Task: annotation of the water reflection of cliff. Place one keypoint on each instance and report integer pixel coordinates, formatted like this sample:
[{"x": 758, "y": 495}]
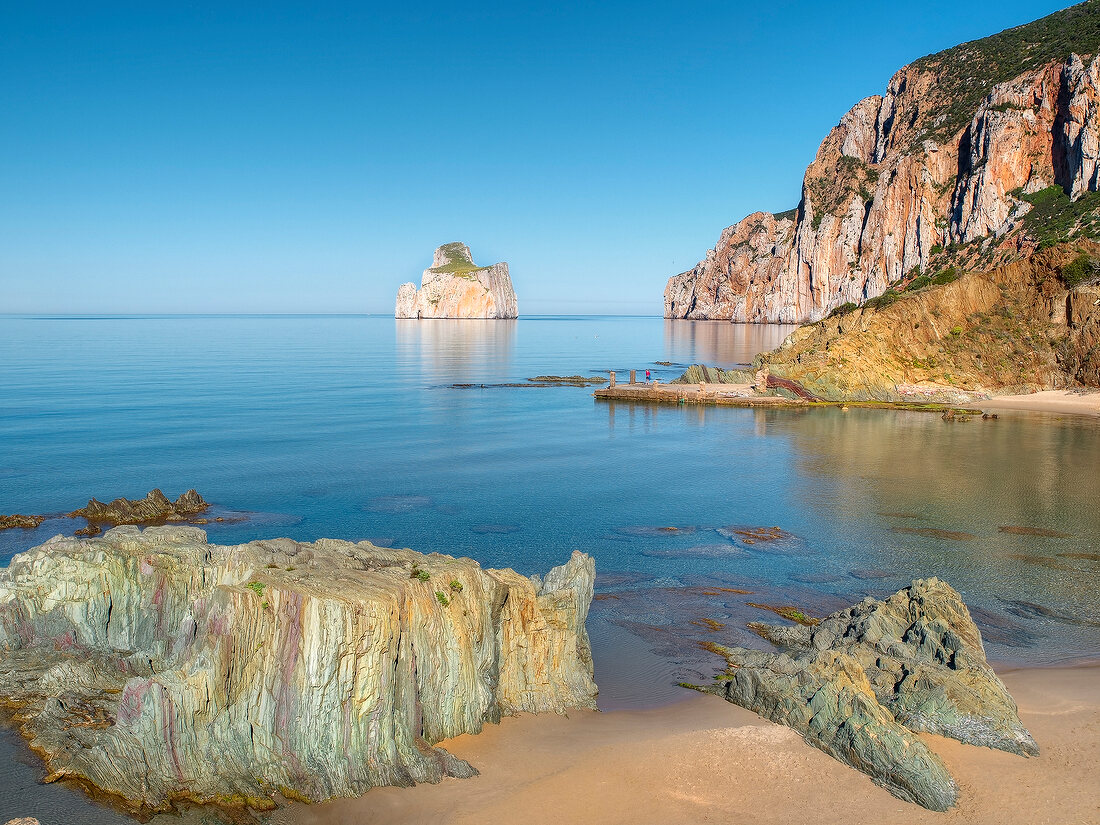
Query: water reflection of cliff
[
  {"x": 456, "y": 351},
  {"x": 720, "y": 343},
  {"x": 915, "y": 495}
]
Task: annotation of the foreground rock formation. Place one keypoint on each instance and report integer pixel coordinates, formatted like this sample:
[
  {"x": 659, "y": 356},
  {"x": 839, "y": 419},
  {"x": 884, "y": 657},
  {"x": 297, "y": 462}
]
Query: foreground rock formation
[
  {"x": 455, "y": 287},
  {"x": 859, "y": 683},
  {"x": 158, "y": 667},
  {"x": 974, "y": 156},
  {"x": 154, "y": 508},
  {"x": 1030, "y": 325}
]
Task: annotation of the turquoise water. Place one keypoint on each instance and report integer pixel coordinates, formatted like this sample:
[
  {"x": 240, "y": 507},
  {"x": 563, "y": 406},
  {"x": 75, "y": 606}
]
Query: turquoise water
[{"x": 349, "y": 427}]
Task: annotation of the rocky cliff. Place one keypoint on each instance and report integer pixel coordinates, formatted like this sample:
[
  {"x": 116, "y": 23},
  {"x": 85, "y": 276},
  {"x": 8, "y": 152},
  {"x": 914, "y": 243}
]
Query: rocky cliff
[
  {"x": 1029, "y": 325},
  {"x": 157, "y": 667},
  {"x": 455, "y": 287},
  {"x": 974, "y": 156}
]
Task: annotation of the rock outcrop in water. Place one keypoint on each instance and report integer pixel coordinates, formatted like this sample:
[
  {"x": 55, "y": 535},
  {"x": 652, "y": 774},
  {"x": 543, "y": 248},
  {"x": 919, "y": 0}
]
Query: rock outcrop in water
[
  {"x": 158, "y": 667},
  {"x": 154, "y": 508},
  {"x": 21, "y": 521},
  {"x": 860, "y": 682},
  {"x": 455, "y": 287},
  {"x": 973, "y": 157}
]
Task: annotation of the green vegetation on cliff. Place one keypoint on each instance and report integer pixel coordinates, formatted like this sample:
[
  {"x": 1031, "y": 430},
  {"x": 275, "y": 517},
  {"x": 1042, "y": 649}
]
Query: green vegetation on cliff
[
  {"x": 966, "y": 73},
  {"x": 1055, "y": 219},
  {"x": 459, "y": 262}
]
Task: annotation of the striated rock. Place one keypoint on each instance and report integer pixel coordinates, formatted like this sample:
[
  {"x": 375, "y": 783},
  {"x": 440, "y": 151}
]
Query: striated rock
[
  {"x": 159, "y": 667},
  {"x": 155, "y": 507},
  {"x": 23, "y": 820},
  {"x": 701, "y": 374},
  {"x": 455, "y": 287},
  {"x": 18, "y": 520},
  {"x": 858, "y": 683},
  {"x": 1017, "y": 328},
  {"x": 944, "y": 160}
]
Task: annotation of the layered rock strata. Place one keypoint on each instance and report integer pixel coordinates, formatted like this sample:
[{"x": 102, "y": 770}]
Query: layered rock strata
[
  {"x": 455, "y": 287},
  {"x": 1021, "y": 327},
  {"x": 158, "y": 667},
  {"x": 155, "y": 507},
  {"x": 947, "y": 158},
  {"x": 860, "y": 682}
]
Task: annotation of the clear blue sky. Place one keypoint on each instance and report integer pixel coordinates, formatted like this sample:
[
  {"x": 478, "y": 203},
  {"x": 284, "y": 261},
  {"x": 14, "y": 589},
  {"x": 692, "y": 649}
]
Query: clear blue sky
[{"x": 228, "y": 157}]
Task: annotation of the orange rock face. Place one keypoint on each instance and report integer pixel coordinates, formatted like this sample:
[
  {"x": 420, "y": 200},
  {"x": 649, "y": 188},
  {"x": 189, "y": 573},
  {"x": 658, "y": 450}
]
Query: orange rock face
[{"x": 887, "y": 190}]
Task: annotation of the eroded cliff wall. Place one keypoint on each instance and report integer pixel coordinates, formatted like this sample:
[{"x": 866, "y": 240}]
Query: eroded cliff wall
[{"x": 936, "y": 171}]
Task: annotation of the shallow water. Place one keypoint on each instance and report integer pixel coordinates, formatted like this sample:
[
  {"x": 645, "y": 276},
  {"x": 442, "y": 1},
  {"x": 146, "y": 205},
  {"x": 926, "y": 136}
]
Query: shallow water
[{"x": 349, "y": 427}]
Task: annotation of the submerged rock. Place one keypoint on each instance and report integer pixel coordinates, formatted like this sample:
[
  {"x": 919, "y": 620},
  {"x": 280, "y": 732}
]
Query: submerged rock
[
  {"x": 455, "y": 287},
  {"x": 158, "y": 667},
  {"x": 21, "y": 521},
  {"x": 154, "y": 508},
  {"x": 859, "y": 683}
]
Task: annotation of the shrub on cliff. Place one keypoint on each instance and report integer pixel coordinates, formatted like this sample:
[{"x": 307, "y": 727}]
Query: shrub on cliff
[{"x": 1081, "y": 270}]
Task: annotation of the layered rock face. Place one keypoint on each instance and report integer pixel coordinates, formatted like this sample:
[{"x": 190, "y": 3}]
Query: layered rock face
[
  {"x": 1018, "y": 328},
  {"x": 158, "y": 667},
  {"x": 859, "y": 683},
  {"x": 455, "y": 287},
  {"x": 943, "y": 159}
]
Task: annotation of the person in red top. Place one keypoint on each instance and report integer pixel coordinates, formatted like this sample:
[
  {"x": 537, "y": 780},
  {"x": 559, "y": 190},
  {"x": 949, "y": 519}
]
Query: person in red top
[{"x": 647, "y": 376}]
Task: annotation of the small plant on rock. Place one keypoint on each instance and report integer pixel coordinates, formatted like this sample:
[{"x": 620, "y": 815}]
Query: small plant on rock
[
  {"x": 456, "y": 586},
  {"x": 442, "y": 598}
]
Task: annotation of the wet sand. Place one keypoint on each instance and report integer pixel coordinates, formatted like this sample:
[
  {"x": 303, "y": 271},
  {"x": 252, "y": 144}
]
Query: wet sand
[
  {"x": 1053, "y": 401},
  {"x": 705, "y": 760}
]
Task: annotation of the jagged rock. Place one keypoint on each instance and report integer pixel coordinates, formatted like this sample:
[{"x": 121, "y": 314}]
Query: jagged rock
[
  {"x": 155, "y": 507},
  {"x": 23, "y": 820},
  {"x": 455, "y": 287},
  {"x": 858, "y": 684},
  {"x": 158, "y": 667},
  {"x": 18, "y": 520},
  {"x": 943, "y": 158}
]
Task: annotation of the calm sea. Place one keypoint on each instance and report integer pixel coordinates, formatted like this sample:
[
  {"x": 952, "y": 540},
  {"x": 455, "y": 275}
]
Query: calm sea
[{"x": 349, "y": 427}]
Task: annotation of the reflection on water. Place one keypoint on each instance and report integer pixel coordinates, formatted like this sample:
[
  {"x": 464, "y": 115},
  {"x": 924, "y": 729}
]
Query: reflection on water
[
  {"x": 456, "y": 351},
  {"x": 720, "y": 343}
]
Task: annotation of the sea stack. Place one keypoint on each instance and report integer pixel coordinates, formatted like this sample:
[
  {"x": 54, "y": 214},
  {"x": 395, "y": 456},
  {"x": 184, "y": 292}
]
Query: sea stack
[{"x": 455, "y": 287}]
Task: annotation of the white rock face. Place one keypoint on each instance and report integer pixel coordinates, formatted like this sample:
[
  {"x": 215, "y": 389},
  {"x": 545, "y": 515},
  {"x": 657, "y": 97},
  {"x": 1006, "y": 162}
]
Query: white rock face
[{"x": 455, "y": 287}]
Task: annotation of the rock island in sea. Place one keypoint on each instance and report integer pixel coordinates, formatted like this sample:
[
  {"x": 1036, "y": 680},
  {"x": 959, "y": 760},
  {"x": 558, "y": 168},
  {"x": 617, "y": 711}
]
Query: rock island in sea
[
  {"x": 455, "y": 287},
  {"x": 157, "y": 667}
]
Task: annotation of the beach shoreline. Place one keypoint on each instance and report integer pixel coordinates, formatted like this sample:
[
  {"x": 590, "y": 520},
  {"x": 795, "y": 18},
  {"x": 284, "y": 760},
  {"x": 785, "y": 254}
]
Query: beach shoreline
[
  {"x": 1074, "y": 402},
  {"x": 706, "y": 760}
]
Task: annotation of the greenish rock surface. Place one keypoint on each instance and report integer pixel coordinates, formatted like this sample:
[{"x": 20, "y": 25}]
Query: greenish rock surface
[
  {"x": 158, "y": 667},
  {"x": 860, "y": 682},
  {"x": 700, "y": 374}
]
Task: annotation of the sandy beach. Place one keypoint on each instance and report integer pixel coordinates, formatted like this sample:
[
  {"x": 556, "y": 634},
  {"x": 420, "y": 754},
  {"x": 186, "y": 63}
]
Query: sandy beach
[
  {"x": 705, "y": 760},
  {"x": 1052, "y": 401}
]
